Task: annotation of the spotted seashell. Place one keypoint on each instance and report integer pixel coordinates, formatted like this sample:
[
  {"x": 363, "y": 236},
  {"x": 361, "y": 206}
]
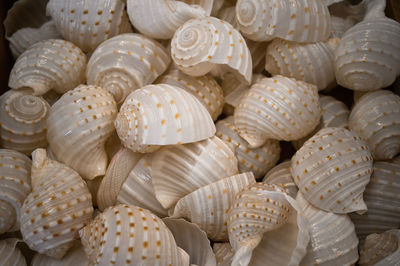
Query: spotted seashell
[
  {"x": 279, "y": 108},
  {"x": 376, "y": 118},
  {"x": 209, "y": 205},
  {"x": 261, "y": 20},
  {"x": 162, "y": 114},
  {"x": 258, "y": 160},
  {"x": 59, "y": 205},
  {"x": 223, "y": 253},
  {"x": 49, "y": 65},
  {"x": 129, "y": 235},
  {"x": 23, "y": 121},
  {"x": 340, "y": 25},
  {"x": 209, "y": 44},
  {"x": 15, "y": 185},
  {"x": 79, "y": 125},
  {"x": 332, "y": 170},
  {"x": 281, "y": 174},
  {"x": 126, "y": 62},
  {"x": 10, "y": 254},
  {"x": 75, "y": 256}
]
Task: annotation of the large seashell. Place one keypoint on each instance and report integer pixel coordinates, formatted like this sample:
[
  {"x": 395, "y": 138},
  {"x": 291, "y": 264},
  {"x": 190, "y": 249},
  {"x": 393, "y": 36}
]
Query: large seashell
[
  {"x": 281, "y": 174},
  {"x": 209, "y": 44},
  {"x": 79, "y": 125},
  {"x": 223, "y": 253},
  {"x": 162, "y": 115},
  {"x": 126, "y": 62},
  {"x": 15, "y": 185},
  {"x": 376, "y": 118},
  {"x": 279, "y": 108},
  {"x": 10, "y": 254},
  {"x": 332, "y": 170},
  {"x": 49, "y": 65},
  {"x": 129, "y": 235},
  {"x": 76, "y": 256},
  {"x": 60, "y": 204},
  {"x": 261, "y": 20},
  {"x": 340, "y": 25},
  {"x": 208, "y": 206}
]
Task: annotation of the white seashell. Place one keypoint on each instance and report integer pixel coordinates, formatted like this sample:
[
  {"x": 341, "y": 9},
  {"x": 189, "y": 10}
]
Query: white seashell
[
  {"x": 79, "y": 125},
  {"x": 376, "y": 118},
  {"x": 181, "y": 169},
  {"x": 332, "y": 170},
  {"x": 340, "y": 25},
  {"x": 15, "y": 185},
  {"x": 223, "y": 253},
  {"x": 208, "y": 206},
  {"x": 59, "y": 205},
  {"x": 49, "y": 65},
  {"x": 258, "y": 160},
  {"x": 23, "y": 121},
  {"x": 281, "y": 174},
  {"x": 261, "y": 20},
  {"x": 129, "y": 235},
  {"x": 258, "y": 51},
  {"x": 10, "y": 254},
  {"x": 126, "y": 62},
  {"x": 209, "y": 44},
  {"x": 162, "y": 115},
  {"x": 279, "y": 108}
]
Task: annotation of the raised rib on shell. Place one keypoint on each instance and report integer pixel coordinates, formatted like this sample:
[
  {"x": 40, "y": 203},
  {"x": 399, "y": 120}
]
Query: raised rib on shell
[
  {"x": 10, "y": 254},
  {"x": 223, "y": 253},
  {"x": 281, "y": 174},
  {"x": 76, "y": 256}
]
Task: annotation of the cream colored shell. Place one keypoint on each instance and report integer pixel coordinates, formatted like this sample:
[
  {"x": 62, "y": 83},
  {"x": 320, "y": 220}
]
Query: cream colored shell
[
  {"x": 223, "y": 253},
  {"x": 340, "y": 25},
  {"x": 76, "y": 256},
  {"x": 10, "y": 254},
  {"x": 281, "y": 174},
  {"x": 228, "y": 14}
]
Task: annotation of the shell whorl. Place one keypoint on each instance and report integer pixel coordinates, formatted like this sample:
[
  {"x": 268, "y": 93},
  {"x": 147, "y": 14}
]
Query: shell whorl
[{"x": 379, "y": 246}]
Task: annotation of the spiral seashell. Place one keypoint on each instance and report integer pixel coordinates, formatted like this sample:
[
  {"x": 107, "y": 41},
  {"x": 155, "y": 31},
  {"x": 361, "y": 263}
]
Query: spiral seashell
[
  {"x": 261, "y": 20},
  {"x": 181, "y": 169},
  {"x": 332, "y": 170},
  {"x": 375, "y": 117},
  {"x": 208, "y": 206},
  {"x": 258, "y": 160},
  {"x": 209, "y": 44},
  {"x": 340, "y": 25},
  {"x": 158, "y": 115},
  {"x": 223, "y": 253},
  {"x": 125, "y": 63},
  {"x": 87, "y": 23},
  {"x": 49, "y": 65},
  {"x": 75, "y": 256},
  {"x": 204, "y": 88},
  {"x": 281, "y": 174},
  {"x": 15, "y": 185},
  {"x": 10, "y": 254},
  {"x": 59, "y": 205},
  {"x": 279, "y": 108},
  {"x": 129, "y": 235},
  {"x": 79, "y": 125}
]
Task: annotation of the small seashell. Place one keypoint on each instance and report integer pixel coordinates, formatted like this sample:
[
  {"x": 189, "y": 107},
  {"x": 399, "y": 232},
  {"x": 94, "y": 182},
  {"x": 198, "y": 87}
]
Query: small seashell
[
  {"x": 223, "y": 253},
  {"x": 340, "y": 25},
  {"x": 281, "y": 174},
  {"x": 10, "y": 253}
]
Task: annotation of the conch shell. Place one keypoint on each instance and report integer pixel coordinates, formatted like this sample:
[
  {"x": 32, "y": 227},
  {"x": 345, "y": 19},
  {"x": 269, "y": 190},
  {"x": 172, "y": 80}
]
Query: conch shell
[
  {"x": 282, "y": 175},
  {"x": 10, "y": 253}
]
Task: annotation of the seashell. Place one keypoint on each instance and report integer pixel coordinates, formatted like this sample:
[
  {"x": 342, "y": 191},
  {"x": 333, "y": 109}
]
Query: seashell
[
  {"x": 223, "y": 253},
  {"x": 51, "y": 97},
  {"x": 258, "y": 160},
  {"x": 15, "y": 169},
  {"x": 310, "y": 62},
  {"x": 217, "y": 6},
  {"x": 125, "y": 63},
  {"x": 357, "y": 95},
  {"x": 79, "y": 125},
  {"x": 158, "y": 115},
  {"x": 93, "y": 186},
  {"x": 23, "y": 121},
  {"x": 332, "y": 170},
  {"x": 375, "y": 117},
  {"x": 258, "y": 51},
  {"x": 10, "y": 253},
  {"x": 340, "y": 25},
  {"x": 204, "y": 88},
  {"x": 209, "y": 44},
  {"x": 228, "y": 14},
  {"x": 113, "y": 144},
  {"x": 129, "y": 235},
  {"x": 208, "y": 206},
  {"x": 261, "y": 20},
  {"x": 87, "y": 23},
  {"x": 279, "y": 108},
  {"x": 59, "y": 205},
  {"x": 181, "y": 169},
  {"x": 281, "y": 174},
  {"x": 49, "y": 65},
  {"x": 325, "y": 247}
]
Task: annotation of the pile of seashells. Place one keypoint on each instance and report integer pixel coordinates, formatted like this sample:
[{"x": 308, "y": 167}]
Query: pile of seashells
[{"x": 148, "y": 132}]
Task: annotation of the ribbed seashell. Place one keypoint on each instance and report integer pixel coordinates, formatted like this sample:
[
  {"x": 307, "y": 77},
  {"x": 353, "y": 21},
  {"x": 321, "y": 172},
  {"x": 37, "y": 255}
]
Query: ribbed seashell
[
  {"x": 93, "y": 186},
  {"x": 59, "y": 205},
  {"x": 162, "y": 114},
  {"x": 126, "y": 62},
  {"x": 10, "y": 254},
  {"x": 181, "y": 169},
  {"x": 279, "y": 108},
  {"x": 209, "y": 44},
  {"x": 376, "y": 118},
  {"x": 208, "y": 206},
  {"x": 15, "y": 185},
  {"x": 310, "y": 62},
  {"x": 258, "y": 160},
  {"x": 281, "y": 174},
  {"x": 78, "y": 126},
  {"x": 129, "y": 235},
  {"x": 340, "y": 25},
  {"x": 261, "y": 20},
  {"x": 223, "y": 253},
  {"x": 87, "y": 23},
  {"x": 258, "y": 51},
  {"x": 49, "y": 65},
  {"x": 357, "y": 95},
  {"x": 228, "y": 14},
  {"x": 332, "y": 170},
  {"x": 75, "y": 256},
  {"x": 138, "y": 187}
]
